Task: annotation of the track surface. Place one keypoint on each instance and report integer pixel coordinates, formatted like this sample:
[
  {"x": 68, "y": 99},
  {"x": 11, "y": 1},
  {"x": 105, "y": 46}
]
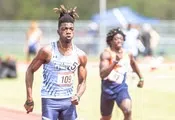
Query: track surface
[{"x": 8, "y": 114}]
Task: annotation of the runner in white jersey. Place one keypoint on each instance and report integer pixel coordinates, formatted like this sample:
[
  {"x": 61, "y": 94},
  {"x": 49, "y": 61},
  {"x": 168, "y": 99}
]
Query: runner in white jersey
[
  {"x": 114, "y": 65},
  {"x": 60, "y": 60}
]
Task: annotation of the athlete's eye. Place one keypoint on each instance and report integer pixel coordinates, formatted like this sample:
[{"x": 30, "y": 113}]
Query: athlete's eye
[{"x": 72, "y": 28}]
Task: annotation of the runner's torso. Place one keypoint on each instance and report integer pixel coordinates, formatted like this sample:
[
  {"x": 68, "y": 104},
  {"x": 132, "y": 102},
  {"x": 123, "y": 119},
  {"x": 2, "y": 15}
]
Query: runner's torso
[
  {"x": 58, "y": 74},
  {"x": 118, "y": 74}
]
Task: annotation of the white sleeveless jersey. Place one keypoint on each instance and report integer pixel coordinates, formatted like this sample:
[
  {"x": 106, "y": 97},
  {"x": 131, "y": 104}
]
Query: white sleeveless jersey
[
  {"x": 58, "y": 74},
  {"x": 118, "y": 73}
]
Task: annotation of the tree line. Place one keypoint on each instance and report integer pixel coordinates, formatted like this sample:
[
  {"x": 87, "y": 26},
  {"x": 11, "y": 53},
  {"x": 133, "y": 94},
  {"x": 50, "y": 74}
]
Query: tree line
[{"x": 42, "y": 9}]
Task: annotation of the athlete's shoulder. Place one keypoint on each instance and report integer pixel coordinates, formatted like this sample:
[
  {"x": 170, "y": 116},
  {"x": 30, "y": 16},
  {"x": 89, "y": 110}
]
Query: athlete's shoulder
[
  {"x": 106, "y": 54},
  {"x": 45, "y": 48},
  {"x": 108, "y": 49},
  {"x": 127, "y": 54},
  {"x": 82, "y": 57},
  {"x": 45, "y": 53},
  {"x": 79, "y": 51},
  {"x": 48, "y": 47}
]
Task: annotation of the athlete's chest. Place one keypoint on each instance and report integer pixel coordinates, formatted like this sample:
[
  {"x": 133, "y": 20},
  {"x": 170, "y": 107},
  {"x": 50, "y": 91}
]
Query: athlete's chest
[
  {"x": 123, "y": 64},
  {"x": 65, "y": 63}
]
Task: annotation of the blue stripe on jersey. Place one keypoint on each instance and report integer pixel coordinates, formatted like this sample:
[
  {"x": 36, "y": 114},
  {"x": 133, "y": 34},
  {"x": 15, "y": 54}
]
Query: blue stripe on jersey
[{"x": 57, "y": 73}]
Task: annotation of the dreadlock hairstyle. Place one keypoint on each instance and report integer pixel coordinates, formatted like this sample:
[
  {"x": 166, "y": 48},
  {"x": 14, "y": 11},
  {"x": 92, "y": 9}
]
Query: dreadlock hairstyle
[
  {"x": 112, "y": 33},
  {"x": 65, "y": 15}
]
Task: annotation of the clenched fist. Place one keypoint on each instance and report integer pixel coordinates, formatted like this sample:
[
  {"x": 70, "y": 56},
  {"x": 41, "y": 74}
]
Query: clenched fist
[{"x": 140, "y": 84}]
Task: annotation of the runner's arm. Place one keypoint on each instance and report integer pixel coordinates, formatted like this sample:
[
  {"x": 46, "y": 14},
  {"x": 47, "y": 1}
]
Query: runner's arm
[
  {"x": 40, "y": 59},
  {"x": 105, "y": 67},
  {"x": 135, "y": 66},
  {"x": 82, "y": 73}
]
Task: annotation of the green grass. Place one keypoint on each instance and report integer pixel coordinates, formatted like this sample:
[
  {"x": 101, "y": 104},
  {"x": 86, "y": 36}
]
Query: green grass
[{"x": 154, "y": 102}]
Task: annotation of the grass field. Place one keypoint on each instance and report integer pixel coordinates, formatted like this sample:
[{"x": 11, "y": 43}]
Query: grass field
[{"x": 156, "y": 101}]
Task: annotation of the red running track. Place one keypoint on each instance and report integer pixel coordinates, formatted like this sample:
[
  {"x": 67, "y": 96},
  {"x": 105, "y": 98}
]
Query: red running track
[{"x": 8, "y": 114}]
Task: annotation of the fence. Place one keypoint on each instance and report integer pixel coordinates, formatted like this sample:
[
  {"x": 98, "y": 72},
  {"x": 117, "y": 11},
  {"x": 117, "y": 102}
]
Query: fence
[{"x": 12, "y": 36}]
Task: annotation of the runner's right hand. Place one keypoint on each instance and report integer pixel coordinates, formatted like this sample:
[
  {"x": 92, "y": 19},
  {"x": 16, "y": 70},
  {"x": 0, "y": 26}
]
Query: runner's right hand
[
  {"x": 140, "y": 84},
  {"x": 75, "y": 100},
  {"x": 29, "y": 105}
]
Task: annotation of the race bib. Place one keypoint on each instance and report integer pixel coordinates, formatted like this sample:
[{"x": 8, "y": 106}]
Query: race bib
[
  {"x": 116, "y": 77},
  {"x": 65, "y": 79}
]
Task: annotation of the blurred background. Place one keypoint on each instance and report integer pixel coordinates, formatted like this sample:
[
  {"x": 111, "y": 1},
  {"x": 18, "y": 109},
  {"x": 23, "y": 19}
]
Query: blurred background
[
  {"x": 90, "y": 33},
  {"x": 149, "y": 26}
]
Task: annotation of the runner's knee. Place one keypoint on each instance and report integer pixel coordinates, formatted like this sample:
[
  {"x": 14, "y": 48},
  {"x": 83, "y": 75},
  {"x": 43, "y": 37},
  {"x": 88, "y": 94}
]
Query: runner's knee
[{"x": 127, "y": 112}]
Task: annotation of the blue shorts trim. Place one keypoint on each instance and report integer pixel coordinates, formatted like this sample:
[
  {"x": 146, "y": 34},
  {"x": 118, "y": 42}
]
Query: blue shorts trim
[{"x": 58, "y": 109}]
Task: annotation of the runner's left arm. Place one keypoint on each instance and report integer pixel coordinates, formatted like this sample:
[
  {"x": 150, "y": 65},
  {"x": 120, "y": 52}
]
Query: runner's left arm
[
  {"x": 82, "y": 73},
  {"x": 135, "y": 66}
]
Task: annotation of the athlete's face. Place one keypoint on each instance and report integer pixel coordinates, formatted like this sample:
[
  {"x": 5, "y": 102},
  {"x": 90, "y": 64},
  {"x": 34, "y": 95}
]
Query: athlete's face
[
  {"x": 117, "y": 41},
  {"x": 66, "y": 32}
]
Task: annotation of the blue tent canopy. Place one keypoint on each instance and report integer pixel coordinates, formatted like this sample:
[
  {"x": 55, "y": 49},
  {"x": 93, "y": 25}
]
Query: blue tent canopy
[
  {"x": 121, "y": 15},
  {"x": 108, "y": 18}
]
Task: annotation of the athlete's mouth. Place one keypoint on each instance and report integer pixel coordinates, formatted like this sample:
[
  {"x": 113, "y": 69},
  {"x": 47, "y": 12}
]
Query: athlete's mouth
[{"x": 68, "y": 37}]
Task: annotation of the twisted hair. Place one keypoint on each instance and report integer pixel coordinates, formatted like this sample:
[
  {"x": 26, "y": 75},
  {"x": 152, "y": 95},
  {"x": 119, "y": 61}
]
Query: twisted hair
[
  {"x": 112, "y": 33},
  {"x": 66, "y": 15}
]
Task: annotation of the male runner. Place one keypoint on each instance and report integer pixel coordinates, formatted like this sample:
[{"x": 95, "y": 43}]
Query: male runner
[
  {"x": 114, "y": 64},
  {"x": 60, "y": 60}
]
